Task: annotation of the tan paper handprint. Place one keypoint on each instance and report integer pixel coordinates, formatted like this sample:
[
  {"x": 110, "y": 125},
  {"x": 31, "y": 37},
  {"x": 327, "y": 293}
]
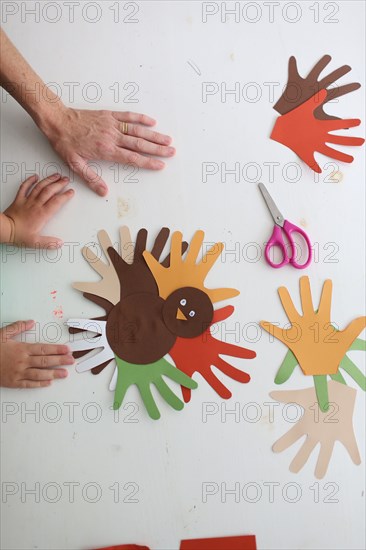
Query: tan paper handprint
[{"x": 319, "y": 427}]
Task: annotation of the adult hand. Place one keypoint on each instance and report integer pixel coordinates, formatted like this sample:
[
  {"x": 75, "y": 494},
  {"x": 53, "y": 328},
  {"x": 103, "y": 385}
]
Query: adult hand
[{"x": 82, "y": 135}]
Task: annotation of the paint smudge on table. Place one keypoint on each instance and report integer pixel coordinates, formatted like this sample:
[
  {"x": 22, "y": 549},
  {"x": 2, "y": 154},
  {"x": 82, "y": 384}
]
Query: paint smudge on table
[
  {"x": 122, "y": 207},
  {"x": 58, "y": 312}
]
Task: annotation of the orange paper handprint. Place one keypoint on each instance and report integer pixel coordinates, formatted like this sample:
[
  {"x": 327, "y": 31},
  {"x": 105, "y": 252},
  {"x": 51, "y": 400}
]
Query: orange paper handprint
[
  {"x": 305, "y": 134},
  {"x": 187, "y": 272},
  {"x": 318, "y": 347}
]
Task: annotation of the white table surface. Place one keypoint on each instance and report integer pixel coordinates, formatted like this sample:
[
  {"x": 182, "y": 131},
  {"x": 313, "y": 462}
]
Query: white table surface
[{"x": 168, "y": 54}]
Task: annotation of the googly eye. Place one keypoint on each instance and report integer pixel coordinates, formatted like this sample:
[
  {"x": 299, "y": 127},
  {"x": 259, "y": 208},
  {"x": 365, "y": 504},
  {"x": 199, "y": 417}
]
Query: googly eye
[
  {"x": 183, "y": 302},
  {"x": 192, "y": 313}
]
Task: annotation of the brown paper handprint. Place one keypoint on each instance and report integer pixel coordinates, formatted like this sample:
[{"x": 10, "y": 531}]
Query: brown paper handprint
[{"x": 299, "y": 89}]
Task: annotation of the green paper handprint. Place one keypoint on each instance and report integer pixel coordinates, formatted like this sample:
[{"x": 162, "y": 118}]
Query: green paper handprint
[
  {"x": 144, "y": 375},
  {"x": 320, "y": 381}
]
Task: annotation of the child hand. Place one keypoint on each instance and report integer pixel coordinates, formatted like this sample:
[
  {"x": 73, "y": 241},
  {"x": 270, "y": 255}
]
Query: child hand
[
  {"x": 32, "y": 209},
  {"x": 30, "y": 365}
]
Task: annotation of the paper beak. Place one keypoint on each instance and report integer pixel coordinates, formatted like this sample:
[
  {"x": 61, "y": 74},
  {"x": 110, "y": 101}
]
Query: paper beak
[{"x": 180, "y": 315}]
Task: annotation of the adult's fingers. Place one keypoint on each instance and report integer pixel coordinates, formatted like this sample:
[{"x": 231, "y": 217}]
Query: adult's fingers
[
  {"x": 91, "y": 178},
  {"x": 44, "y": 183},
  {"x": 143, "y": 146},
  {"x": 25, "y": 186},
  {"x": 125, "y": 156},
  {"x": 127, "y": 116},
  {"x": 14, "y": 329},
  {"x": 135, "y": 130},
  {"x": 50, "y": 361},
  {"x": 36, "y": 374}
]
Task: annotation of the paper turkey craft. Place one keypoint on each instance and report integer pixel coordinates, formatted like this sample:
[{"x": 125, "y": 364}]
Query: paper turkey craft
[
  {"x": 154, "y": 309},
  {"x": 304, "y": 126}
]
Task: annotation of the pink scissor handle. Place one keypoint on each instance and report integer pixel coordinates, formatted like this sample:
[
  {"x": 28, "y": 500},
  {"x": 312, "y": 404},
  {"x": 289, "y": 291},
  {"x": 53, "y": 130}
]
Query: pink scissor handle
[
  {"x": 290, "y": 228},
  {"x": 277, "y": 240}
]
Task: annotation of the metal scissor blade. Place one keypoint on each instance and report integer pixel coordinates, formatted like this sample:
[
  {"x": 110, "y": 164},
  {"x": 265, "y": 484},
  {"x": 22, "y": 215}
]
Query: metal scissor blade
[{"x": 275, "y": 213}]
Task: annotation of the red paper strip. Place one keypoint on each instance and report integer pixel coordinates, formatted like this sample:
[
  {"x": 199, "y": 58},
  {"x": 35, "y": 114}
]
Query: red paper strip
[{"x": 246, "y": 542}]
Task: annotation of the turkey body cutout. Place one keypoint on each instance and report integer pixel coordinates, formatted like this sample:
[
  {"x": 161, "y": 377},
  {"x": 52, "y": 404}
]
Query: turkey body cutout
[
  {"x": 304, "y": 126},
  {"x": 320, "y": 427},
  {"x": 319, "y": 353},
  {"x": 159, "y": 304}
]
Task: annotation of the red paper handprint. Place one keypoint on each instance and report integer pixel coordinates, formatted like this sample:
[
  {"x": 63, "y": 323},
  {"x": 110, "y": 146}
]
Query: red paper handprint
[
  {"x": 302, "y": 132},
  {"x": 199, "y": 354}
]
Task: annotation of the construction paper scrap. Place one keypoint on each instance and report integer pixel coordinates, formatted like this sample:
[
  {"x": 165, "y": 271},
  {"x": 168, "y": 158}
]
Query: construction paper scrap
[
  {"x": 246, "y": 542},
  {"x": 202, "y": 353},
  {"x": 143, "y": 376},
  {"x": 185, "y": 272},
  {"x": 125, "y": 547},
  {"x": 298, "y": 89},
  {"x": 318, "y": 347},
  {"x": 320, "y": 427},
  {"x": 305, "y": 135}
]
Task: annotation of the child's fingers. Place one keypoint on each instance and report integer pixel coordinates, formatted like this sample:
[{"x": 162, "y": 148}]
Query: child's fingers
[
  {"x": 49, "y": 242},
  {"x": 26, "y": 186},
  {"x": 14, "y": 329},
  {"x": 57, "y": 201},
  {"x": 45, "y": 374},
  {"x": 44, "y": 183},
  {"x": 34, "y": 384},
  {"x": 50, "y": 361},
  {"x": 48, "y": 349},
  {"x": 51, "y": 189}
]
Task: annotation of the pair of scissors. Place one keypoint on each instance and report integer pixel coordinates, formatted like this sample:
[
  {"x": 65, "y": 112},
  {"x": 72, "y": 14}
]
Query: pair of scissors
[{"x": 277, "y": 238}]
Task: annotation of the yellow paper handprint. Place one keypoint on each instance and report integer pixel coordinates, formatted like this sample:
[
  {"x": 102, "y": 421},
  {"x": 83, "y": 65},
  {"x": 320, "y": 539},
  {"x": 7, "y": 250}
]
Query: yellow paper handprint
[{"x": 317, "y": 345}]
